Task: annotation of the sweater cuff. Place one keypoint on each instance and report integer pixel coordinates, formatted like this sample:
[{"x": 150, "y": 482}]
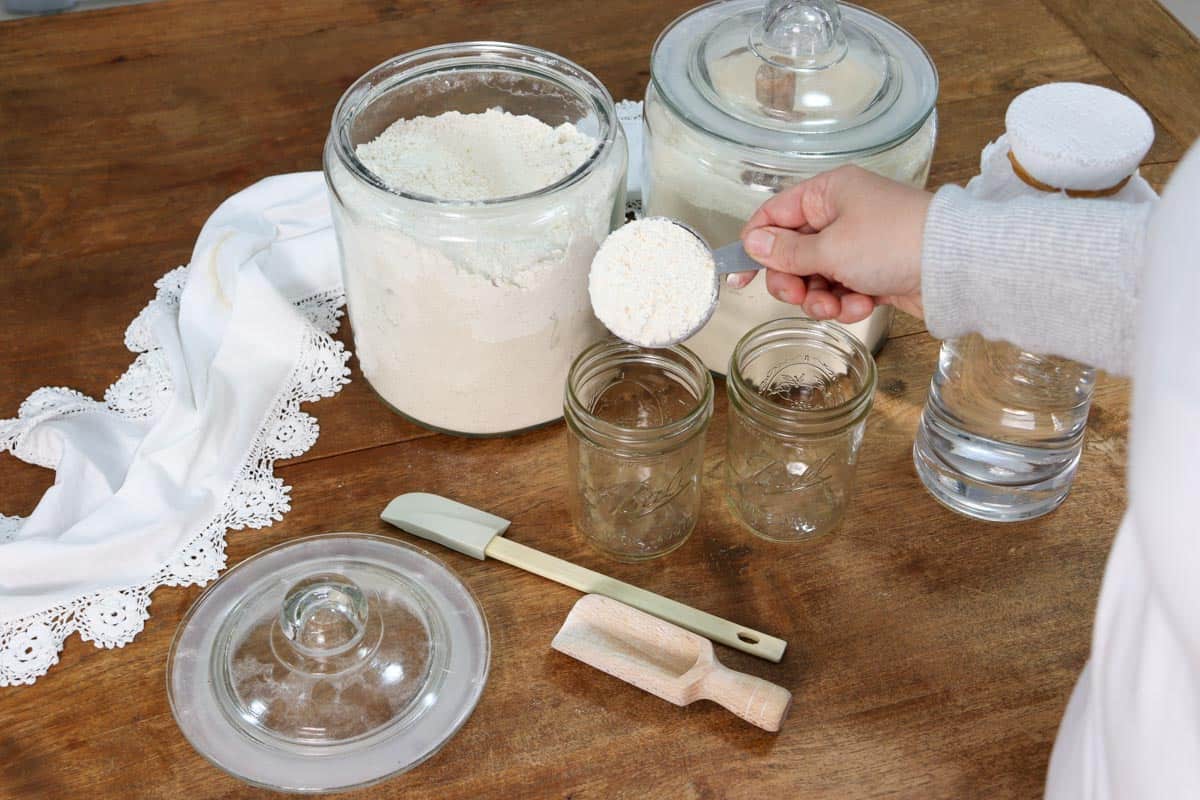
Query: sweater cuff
[{"x": 1051, "y": 275}]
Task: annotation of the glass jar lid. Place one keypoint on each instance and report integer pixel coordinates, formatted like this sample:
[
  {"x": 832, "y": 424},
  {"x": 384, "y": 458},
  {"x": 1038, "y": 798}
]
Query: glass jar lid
[
  {"x": 807, "y": 78},
  {"x": 328, "y": 662}
]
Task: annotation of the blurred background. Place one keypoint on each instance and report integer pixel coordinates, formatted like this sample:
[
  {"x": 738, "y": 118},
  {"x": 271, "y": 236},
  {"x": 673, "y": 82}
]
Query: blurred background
[
  {"x": 1186, "y": 11},
  {"x": 15, "y": 9}
]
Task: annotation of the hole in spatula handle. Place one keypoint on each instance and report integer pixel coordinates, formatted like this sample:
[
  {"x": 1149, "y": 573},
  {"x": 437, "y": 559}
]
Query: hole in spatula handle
[{"x": 747, "y": 638}]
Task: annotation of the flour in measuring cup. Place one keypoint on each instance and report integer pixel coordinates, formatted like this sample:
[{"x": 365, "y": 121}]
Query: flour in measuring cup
[{"x": 653, "y": 282}]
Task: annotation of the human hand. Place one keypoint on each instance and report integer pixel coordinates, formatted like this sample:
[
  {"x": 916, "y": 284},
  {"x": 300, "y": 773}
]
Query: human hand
[{"x": 840, "y": 244}]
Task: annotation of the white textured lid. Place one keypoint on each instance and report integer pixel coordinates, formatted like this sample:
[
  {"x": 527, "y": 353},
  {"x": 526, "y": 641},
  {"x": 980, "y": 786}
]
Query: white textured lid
[{"x": 1078, "y": 136}]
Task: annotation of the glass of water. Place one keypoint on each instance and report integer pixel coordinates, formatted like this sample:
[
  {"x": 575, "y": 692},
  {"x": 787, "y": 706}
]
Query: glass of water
[{"x": 799, "y": 395}]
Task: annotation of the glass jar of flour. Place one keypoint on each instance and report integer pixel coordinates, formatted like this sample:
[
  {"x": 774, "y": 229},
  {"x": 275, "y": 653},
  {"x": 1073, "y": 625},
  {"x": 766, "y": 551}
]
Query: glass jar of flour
[
  {"x": 747, "y": 98},
  {"x": 472, "y": 184}
]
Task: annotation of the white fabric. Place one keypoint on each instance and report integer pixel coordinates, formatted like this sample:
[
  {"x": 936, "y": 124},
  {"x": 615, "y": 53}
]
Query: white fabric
[
  {"x": 1034, "y": 268},
  {"x": 629, "y": 113},
  {"x": 183, "y": 445},
  {"x": 1132, "y": 729},
  {"x": 998, "y": 181}
]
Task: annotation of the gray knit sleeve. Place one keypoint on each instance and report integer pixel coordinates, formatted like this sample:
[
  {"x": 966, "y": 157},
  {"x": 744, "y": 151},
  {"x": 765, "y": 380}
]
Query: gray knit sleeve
[{"x": 1050, "y": 275}]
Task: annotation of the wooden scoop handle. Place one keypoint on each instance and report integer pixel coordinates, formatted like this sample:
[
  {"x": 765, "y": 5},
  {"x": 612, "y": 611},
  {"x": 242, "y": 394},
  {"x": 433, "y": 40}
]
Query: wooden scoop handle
[{"x": 759, "y": 702}]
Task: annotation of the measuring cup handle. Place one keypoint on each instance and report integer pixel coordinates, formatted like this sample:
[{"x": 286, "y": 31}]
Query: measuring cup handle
[
  {"x": 733, "y": 258},
  {"x": 759, "y": 702}
]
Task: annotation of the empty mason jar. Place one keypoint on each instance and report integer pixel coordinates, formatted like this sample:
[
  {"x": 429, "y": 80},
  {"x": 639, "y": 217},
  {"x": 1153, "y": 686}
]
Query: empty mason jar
[
  {"x": 636, "y": 419},
  {"x": 799, "y": 395}
]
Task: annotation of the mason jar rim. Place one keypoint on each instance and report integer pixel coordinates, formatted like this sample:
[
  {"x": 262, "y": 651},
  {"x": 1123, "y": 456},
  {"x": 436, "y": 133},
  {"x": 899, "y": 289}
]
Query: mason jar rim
[
  {"x": 458, "y": 55},
  {"x": 602, "y": 355},
  {"x": 813, "y": 331}
]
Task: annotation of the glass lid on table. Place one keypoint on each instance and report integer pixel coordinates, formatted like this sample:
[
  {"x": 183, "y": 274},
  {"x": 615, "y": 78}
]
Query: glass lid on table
[
  {"x": 327, "y": 663},
  {"x": 816, "y": 77}
]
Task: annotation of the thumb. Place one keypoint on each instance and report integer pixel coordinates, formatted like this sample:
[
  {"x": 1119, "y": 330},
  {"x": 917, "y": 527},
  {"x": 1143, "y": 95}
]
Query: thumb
[{"x": 784, "y": 250}]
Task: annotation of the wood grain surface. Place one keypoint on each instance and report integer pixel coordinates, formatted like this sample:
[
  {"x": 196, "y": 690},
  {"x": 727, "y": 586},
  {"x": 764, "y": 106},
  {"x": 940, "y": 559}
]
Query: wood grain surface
[{"x": 931, "y": 656}]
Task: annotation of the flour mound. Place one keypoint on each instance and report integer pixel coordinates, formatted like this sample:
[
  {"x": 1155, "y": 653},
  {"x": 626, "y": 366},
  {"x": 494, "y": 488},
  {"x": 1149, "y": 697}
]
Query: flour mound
[
  {"x": 653, "y": 283},
  {"x": 473, "y": 157}
]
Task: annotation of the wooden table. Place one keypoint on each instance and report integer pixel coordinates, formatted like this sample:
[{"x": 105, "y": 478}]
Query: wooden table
[{"x": 931, "y": 655}]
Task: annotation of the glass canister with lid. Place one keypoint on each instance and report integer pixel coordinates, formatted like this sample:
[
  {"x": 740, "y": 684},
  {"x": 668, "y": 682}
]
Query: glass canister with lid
[
  {"x": 749, "y": 97},
  {"x": 471, "y": 185}
]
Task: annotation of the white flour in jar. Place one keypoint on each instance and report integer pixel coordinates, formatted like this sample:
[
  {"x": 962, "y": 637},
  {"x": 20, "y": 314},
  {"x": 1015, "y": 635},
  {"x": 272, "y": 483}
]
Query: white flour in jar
[
  {"x": 653, "y": 282},
  {"x": 467, "y": 315},
  {"x": 456, "y": 156}
]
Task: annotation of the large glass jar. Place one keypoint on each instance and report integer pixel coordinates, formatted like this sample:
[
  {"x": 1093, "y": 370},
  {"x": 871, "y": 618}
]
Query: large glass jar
[
  {"x": 747, "y": 98},
  {"x": 799, "y": 395},
  {"x": 636, "y": 419},
  {"x": 441, "y": 335}
]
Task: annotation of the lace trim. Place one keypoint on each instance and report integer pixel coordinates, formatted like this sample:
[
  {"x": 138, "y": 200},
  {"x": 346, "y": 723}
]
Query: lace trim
[
  {"x": 112, "y": 618},
  {"x": 29, "y": 647}
]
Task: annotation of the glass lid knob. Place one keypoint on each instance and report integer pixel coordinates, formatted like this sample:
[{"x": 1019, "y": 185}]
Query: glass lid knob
[
  {"x": 328, "y": 662},
  {"x": 800, "y": 34},
  {"x": 324, "y": 615}
]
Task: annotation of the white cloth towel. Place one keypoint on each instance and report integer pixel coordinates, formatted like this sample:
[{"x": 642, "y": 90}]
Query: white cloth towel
[{"x": 183, "y": 445}]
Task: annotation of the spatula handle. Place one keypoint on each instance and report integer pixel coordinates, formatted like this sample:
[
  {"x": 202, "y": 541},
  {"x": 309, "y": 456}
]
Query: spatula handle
[
  {"x": 759, "y": 702},
  {"x": 585, "y": 580}
]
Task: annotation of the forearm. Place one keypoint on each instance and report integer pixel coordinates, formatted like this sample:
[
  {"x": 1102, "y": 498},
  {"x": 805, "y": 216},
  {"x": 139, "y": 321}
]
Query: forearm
[{"x": 1050, "y": 275}]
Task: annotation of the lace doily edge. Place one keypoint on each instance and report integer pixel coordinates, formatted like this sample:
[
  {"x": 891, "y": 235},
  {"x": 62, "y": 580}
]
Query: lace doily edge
[{"x": 31, "y": 645}]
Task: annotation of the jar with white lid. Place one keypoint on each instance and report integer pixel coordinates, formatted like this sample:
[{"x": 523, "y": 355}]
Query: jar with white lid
[
  {"x": 747, "y": 98},
  {"x": 467, "y": 314},
  {"x": 1002, "y": 431}
]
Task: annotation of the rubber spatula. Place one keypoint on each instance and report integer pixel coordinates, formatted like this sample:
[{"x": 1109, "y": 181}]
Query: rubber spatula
[
  {"x": 665, "y": 660},
  {"x": 477, "y": 534}
]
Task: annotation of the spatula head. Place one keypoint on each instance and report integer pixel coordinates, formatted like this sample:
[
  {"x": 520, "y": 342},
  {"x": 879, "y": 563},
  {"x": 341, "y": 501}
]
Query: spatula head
[
  {"x": 634, "y": 646},
  {"x": 447, "y": 522}
]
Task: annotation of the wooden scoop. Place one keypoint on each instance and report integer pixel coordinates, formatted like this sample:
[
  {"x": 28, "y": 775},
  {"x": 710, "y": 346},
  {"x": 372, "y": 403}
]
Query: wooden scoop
[{"x": 665, "y": 660}]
